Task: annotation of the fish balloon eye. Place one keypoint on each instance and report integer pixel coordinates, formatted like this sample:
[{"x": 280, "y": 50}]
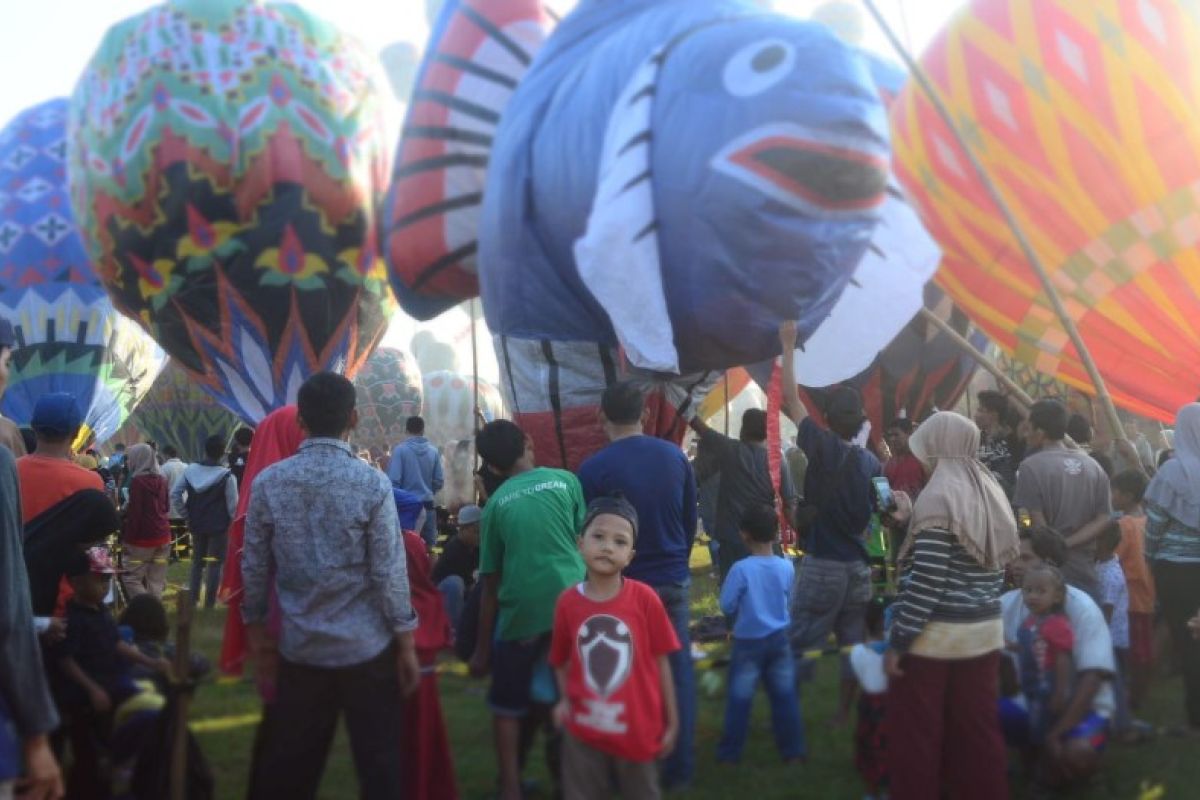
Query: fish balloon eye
[{"x": 759, "y": 66}]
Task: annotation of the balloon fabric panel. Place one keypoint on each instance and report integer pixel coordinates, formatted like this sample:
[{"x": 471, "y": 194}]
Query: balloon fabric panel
[
  {"x": 1085, "y": 115},
  {"x": 478, "y": 52},
  {"x": 920, "y": 372},
  {"x": 69, "y": 336},
  {"x": 226, "y": 162},
  {"x": 178, "y": 412}
]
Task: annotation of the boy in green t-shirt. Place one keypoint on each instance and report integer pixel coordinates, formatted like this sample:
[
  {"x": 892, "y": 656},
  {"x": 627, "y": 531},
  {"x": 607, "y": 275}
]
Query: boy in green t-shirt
[{"x": 528, "y": 555}]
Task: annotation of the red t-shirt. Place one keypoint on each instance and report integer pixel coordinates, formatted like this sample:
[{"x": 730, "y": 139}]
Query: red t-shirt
[
  {"x": 905, "y": 474},
  {"x": 611, "y": 653}
]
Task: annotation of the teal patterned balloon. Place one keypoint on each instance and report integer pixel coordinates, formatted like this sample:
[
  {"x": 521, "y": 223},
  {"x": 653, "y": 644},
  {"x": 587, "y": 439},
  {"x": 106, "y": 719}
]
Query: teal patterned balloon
[
  {"x": 226, "y": 158},
  {"x": 389, "y": 392},
  {"x": 177, "y": 412}
]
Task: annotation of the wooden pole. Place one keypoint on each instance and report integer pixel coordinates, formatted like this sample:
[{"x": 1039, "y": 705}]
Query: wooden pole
[
  {"x": 181, "y": 676},
  {"x": 918, "y": 74},
  {"x": 980, "y": 357}
]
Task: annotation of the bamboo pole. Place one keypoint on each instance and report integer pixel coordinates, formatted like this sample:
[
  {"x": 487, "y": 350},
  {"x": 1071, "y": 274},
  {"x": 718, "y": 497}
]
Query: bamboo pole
[
  {"x": 980, "y": 357},
  {"x": 474, "y": 385},
  {"x": 181, "y": 676},
  {"x": 918, "y": 74}
]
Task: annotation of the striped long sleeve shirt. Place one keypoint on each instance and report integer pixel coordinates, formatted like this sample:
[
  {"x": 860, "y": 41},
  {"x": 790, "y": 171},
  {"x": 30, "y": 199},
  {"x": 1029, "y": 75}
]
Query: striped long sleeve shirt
[{"x": 942, "y": 583}]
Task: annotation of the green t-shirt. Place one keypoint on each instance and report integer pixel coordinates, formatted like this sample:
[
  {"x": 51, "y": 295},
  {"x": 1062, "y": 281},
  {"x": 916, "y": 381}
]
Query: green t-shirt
[{"x": 528, "y": 534}]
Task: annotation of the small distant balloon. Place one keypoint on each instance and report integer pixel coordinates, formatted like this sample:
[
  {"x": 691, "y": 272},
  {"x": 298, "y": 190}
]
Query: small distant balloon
[{"x": 400, "y": 61}]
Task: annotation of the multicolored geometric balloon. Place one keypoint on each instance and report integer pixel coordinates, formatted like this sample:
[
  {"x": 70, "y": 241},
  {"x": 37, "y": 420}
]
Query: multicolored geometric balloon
[
  {"x": 226, "y": 161},
  {"x": 69, "y": 336},
  {"x": 389, "y": 392},
  {"x": 1087, "y": 117},
  {"x": 449, "y": 402},
  {"x": 177, "y": 412}
]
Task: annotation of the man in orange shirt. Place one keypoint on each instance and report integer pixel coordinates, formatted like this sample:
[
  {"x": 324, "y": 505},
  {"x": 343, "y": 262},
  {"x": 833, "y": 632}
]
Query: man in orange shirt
[
  {"x": 63, "y": 506},
  {"x": 51, "y": 475}
]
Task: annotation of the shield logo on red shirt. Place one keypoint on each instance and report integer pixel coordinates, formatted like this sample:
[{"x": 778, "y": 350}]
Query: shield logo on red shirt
[{"x": 606, "y": 651}]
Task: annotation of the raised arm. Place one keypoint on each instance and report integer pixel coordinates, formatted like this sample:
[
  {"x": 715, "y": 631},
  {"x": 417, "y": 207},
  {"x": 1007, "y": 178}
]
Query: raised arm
[{"x": 792, "y": 407}]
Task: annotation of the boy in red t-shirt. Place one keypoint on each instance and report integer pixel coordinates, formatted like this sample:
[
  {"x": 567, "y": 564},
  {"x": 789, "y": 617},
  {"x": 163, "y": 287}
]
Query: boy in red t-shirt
[{"x": 611, "y": 640}]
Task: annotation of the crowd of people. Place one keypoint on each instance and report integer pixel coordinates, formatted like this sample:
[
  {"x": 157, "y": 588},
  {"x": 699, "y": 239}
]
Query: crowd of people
[{"x": 1027, "y": 569}]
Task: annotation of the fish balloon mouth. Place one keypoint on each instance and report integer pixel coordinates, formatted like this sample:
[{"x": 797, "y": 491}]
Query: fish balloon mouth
[{"x": 789, "y": 164}]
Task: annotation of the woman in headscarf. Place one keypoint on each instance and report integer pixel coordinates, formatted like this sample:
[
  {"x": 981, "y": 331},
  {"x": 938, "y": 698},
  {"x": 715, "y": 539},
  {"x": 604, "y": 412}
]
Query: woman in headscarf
[
  {"x": 428, "y": 765},
  {"x": 944, "y": 736},
  {"x": 1172, "y": 504},
  {"x": 278, "y": 437},
  {"x": 146, "y": 532}
]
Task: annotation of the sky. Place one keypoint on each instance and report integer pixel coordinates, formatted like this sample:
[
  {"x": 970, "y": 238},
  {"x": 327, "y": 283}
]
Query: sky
[{"x": 44, "y": 57}]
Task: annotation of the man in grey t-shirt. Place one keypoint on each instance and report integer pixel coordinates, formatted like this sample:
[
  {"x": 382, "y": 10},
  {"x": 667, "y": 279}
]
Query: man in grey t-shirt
[{"x": 1065, "y": 489}]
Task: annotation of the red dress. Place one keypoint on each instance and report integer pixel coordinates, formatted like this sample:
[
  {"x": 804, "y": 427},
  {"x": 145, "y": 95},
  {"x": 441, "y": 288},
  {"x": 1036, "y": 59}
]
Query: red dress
[{"x": 425, "y": 754}]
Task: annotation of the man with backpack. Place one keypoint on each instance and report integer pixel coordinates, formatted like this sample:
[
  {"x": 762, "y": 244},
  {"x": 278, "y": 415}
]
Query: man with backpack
[
  {"x": 207, "y": 494},
  {"x": 833, "y": 581}
]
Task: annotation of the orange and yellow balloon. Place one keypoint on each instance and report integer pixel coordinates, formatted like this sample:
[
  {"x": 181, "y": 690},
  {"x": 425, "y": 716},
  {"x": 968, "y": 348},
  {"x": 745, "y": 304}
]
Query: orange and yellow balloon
[{"x": 1087, "y": 116}]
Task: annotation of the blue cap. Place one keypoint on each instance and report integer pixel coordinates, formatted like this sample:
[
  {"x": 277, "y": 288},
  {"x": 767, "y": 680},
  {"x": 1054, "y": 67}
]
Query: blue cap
[
  {"x": 57, "y": 413},
  {"x": 7, "y": 339}
]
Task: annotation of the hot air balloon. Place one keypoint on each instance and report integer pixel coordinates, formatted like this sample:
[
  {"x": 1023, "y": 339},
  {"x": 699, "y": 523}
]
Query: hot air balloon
[
  {"x": 69, "y": 336},
  {"x": 389, "y": 392},
  {"x": 177, "y": 412},
  {"x": 654, "y": 218},
  {"x": 449, "y": 399},
  {"x": 1087, "y": 118},
  {"x": 226, "y": 158}
]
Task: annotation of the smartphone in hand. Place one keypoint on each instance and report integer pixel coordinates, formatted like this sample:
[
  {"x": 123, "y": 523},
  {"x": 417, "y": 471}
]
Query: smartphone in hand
[{"x": 884, "y": 499}]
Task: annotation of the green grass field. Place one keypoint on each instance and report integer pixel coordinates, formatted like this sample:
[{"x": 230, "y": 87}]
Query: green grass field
[{"x": 224, "y": 716}]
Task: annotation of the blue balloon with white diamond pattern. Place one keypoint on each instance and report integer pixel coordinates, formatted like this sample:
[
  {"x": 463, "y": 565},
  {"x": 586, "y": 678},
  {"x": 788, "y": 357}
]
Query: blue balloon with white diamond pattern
[{"x": 69, "y": 338}]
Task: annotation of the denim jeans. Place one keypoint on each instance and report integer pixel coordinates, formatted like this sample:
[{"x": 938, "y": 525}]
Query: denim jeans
[
  {"x": 429, "y": 528},
  {"x": 454, "y": 592},
  {"x": 681, "y": 764},
  {"x": 208, "y": 552},
  {"x": 768, "y": 658}
]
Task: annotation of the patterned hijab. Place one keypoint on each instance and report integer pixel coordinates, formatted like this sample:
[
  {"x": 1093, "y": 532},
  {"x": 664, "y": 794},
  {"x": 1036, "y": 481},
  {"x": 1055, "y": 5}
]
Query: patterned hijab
[{"x": 962, "y": 496}]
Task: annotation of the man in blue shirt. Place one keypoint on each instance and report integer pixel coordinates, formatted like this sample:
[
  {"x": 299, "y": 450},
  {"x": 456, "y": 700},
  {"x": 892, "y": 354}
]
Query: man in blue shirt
[
  {"x": 416, "y": 467},
  {"x": 833, "y": 581},
  {"x": 656, "y": 478}
]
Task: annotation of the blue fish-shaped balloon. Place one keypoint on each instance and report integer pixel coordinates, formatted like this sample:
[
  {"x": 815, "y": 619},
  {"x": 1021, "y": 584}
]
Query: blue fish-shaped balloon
[
  {"x": 679, "y": 177},
  {"x": 667, "y": 180}
]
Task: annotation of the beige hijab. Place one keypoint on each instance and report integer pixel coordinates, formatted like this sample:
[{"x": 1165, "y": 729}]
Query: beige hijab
[
  {"x": 141, "y": 461},
  {"x": 962, "y": 496}
]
